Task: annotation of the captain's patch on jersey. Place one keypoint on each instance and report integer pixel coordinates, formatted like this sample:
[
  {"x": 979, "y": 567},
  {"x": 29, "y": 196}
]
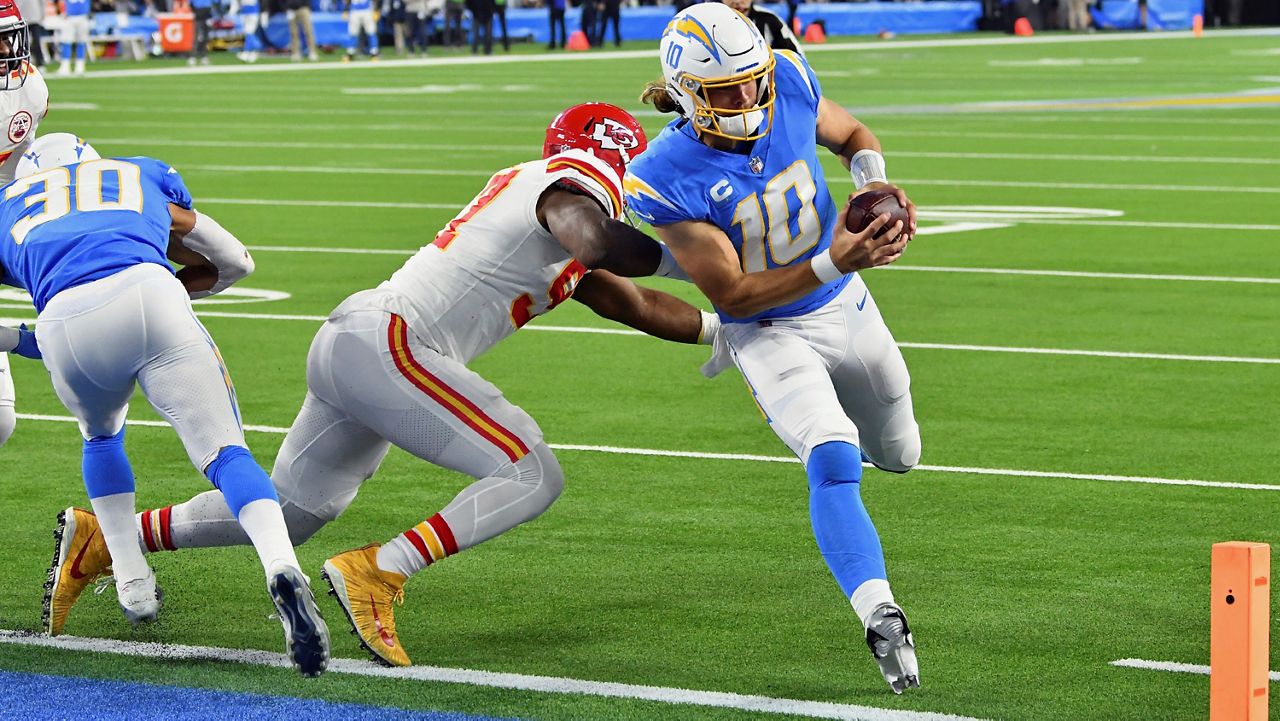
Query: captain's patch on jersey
[{"x": 19, "y": 126}]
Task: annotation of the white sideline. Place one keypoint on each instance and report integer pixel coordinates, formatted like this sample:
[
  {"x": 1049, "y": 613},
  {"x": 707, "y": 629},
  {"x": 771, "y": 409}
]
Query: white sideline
[
  {"x": 878, "y": 45},
  {"x": 1172, "y": 666},
  {"x": 489, "y": 679},
  {"x": 901, "y": 344},
  {"x": 792, "y": 459}
]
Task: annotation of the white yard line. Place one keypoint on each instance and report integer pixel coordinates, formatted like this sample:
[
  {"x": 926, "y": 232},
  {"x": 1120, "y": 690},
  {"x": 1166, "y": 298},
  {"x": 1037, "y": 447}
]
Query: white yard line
[
  {"x": 1141, "y": 187},
  {"x": 1250, "y": 360},
  {"x": 487, "y": 679},
  {"x": 1084, "y": 274},
  {"x": 1173, "y": 666},
  {"x": 341, "y": 170},
  {"x": 619, "y": 450},
  {"x": 1131, "y": 159}
]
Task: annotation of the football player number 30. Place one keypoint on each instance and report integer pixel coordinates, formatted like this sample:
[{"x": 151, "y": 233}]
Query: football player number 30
[
  {"x": 55, "y": 196},
  {"x": 771, "y": 224}
]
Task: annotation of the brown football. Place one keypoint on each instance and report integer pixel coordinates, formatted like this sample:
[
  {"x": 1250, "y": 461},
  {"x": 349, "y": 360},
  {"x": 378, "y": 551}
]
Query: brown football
[{"x": 866, "y": 207}]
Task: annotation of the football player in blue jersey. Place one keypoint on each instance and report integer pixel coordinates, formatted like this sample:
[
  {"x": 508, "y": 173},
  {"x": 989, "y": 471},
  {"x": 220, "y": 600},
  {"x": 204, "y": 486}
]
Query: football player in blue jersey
[
  {"x": 735, "y": 189},
  {"x": 74, "y": 36},
  {"x": 88, "y": 237}
]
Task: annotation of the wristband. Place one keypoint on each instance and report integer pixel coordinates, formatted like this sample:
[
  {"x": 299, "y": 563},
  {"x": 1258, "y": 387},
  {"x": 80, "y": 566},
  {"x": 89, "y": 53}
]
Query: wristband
[
  {"x": 710, "y": 328},
  {"x": 824, "y": 267},
  {"x": 867, "y": 166}
]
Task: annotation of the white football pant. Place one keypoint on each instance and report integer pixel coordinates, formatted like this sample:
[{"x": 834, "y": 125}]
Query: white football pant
[
  {"x": 8, "y": 419},
  {"x": 75, "y": 29},
  {"x": 373, "y": 383},
  {"x": 137, "y": 325},
  {"x": 835, "y": 374},
  {"x": 358, "y": 20}
]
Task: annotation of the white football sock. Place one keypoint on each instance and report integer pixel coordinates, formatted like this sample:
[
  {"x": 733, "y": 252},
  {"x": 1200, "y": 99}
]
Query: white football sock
[
  {"x": 399, "y": 556},
  {"x": 115, "y": 517},
  {"x": 264, "y": 523},
  {"x": 872, "y": 594}
]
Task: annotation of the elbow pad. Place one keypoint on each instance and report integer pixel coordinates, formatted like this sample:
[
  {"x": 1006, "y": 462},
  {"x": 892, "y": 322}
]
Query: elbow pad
[{"x": 228, "y": 255}]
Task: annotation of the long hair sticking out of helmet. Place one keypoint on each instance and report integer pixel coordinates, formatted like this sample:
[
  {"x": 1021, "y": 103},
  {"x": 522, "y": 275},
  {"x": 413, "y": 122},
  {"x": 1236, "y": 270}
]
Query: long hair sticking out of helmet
[
  {"x": 15, "y": 46},
  {"x": 604, "y": 130},
  {"x": 710, "y": 46}
]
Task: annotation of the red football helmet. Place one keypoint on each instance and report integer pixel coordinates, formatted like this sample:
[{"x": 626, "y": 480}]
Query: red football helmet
[
  {"x": 606, "y": 131},
  {"x": 15, "y": 46}
]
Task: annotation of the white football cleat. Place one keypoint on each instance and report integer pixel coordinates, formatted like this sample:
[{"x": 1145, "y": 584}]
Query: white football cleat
[
  {"x": 891, "y": 643},
  {"x": 140, "y": 599},
  {"x": 306, "y": 637}
]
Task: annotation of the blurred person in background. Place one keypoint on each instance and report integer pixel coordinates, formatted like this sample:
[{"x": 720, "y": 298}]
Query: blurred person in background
[
  {"x": 202, "y": 10},
  {"x": 612, "y": 11},
  {"x": 500, "y": 11},
  {"x": 589, "y": 21},
  {"x": 453, "y": 35},
  {"x": 1077, "y": 15},
  {"x": 33, "y": 13},
  {"x": 251, "y": 19},
  {"x": 392, "y": 11},
  {"x": 298, "y": 13},
  {"x": 360, "y": 19},
  {"x": 556, "y": 10},
  {"x": 481, "y": 25},
  {"x": 777, "y": 34},
  {"x": 417, "y": 16},
  {"x": 75, "y": 36}
]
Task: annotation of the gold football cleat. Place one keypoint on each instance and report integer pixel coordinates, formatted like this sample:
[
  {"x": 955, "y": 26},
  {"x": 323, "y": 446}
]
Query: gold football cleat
[
  {"x": 366, "y": 594},
  {"x": 80, "y": 557}
]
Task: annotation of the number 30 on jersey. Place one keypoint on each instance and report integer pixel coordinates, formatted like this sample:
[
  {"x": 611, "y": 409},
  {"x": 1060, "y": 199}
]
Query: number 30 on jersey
[{"x": 55, "y": 197}]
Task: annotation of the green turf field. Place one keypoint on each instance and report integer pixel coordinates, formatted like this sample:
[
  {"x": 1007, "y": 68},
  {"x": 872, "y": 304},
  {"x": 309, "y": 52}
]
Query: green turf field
[{"x": 702, "y": 573}]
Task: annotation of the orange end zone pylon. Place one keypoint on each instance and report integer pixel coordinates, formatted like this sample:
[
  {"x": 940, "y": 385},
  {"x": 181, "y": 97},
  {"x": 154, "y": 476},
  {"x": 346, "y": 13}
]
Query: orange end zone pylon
[{"x": 1240, "y": 631}]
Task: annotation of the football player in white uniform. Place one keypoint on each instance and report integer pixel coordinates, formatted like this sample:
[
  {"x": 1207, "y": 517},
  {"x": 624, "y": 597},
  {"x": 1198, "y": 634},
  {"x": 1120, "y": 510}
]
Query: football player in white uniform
[
  {"x": 24, "y": 101},
  {"x": 389, "y": 367}
]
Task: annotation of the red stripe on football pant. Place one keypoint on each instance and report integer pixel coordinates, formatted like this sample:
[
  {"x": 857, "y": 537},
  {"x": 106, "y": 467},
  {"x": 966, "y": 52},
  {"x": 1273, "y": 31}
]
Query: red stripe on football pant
[{"x": 398, "y": 337}]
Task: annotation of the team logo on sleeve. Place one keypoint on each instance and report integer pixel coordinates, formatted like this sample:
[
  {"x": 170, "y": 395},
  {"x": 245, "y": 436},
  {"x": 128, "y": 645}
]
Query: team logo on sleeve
[
  {"x": 612, "y": 135},
  {"x": 19, "y": 126}
]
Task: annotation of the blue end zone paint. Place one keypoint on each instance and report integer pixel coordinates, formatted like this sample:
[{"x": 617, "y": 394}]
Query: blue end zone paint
[{"x": 35, "y": 696}]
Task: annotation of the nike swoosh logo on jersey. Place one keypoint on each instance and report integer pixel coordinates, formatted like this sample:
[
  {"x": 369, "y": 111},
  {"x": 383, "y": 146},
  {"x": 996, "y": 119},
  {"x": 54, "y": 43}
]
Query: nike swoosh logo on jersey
[
  {"x": 863, "y": 302},
  {"x": 377, "y": 624},
  {"x": 75, "y": 565}
]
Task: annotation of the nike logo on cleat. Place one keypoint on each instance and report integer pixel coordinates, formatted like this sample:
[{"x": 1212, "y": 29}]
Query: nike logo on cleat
[
  {"x": 75, "y": 565},
  {"x": 377, "y": 623}
]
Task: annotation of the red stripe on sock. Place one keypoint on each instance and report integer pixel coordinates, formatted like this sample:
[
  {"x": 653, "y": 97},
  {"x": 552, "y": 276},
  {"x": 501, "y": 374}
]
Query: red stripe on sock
[
  {"x": 444, "y": 534},
  {"x": 419, "y": 544},
  {"x": 146, "y": 532},
  {"x": 166, "y": 537}
]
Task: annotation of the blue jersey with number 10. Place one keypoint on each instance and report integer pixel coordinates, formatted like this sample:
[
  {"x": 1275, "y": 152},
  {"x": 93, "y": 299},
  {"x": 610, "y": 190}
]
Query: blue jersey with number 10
[
  {"x": 74, "y": 224},
  {"x": 772, "y": 201}
]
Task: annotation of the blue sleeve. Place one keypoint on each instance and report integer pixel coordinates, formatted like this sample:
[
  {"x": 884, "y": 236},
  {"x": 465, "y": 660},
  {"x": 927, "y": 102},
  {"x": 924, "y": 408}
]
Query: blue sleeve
[
  {"x": 657, "y": 201},
  {"x": 166, "y": 178},
  {"x": 175, "y": 189}
]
